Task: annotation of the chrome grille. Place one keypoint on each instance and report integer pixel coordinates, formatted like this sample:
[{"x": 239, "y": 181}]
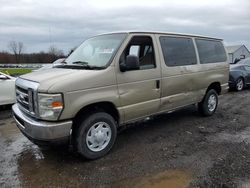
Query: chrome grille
[
  {"x": 25, "y": 99},
  {"x": 26, "y": 96},
  {"x": 22, "y": 97}
]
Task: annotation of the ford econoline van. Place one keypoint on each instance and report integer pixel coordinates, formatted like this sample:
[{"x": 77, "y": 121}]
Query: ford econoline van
[{"x": 118, "y": 78}]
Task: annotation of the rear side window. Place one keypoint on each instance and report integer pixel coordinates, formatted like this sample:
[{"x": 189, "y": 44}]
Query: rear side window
[
  {"x": 210, "y": 51},
  {"x": 178, "y": 51}
]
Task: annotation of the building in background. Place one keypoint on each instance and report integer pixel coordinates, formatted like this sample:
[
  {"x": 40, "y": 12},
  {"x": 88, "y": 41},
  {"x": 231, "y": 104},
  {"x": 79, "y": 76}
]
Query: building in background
[{"x": 237, "y": 52}]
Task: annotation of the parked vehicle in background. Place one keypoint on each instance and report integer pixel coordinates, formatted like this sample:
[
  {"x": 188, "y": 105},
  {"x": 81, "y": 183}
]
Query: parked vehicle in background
[
  {"x": 239, "y": 76},
  {"x": 58, "y": 62},
  {"x": 114, "y": 79},
  {"x": 244, "y": 61},
  {"x": 7, "y": 89},
  {"x": 49, "y": 66},
  {"x": 44, "y": 67}
]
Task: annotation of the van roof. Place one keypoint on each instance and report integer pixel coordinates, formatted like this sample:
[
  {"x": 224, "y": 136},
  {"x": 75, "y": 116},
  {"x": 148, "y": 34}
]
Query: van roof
[{"x": 163, "y": 33}]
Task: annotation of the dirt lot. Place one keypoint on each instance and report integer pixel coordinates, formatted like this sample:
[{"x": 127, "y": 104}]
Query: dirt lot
[{"x": 180, "y": 149}]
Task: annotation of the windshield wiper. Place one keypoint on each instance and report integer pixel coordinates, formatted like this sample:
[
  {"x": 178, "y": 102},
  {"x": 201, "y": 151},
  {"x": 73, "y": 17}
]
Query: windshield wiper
[
  {"x": 80, "y": 65},
  {"x": 92, "y": 67},
  {"x": 86, "y": 65}
]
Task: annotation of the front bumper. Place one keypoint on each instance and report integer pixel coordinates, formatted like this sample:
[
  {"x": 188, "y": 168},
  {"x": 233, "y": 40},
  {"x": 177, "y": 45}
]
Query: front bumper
[
  {"x": 231, "y": 84},
  {"x": 37, "y": 130}
]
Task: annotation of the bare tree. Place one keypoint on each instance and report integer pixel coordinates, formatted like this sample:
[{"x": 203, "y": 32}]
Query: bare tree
[
  {"x": 55, "y": 53},
  {"x": 17, "y": 49}
]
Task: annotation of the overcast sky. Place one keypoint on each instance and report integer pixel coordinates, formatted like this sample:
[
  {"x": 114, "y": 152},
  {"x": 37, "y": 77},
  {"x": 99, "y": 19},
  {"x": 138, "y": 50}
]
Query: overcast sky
[{"x": 65, "y": 24}]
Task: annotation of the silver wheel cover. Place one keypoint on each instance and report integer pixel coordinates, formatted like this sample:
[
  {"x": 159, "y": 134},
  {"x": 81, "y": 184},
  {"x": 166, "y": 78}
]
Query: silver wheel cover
[
  {"x": 239, "y": 84},
  {"x": 212, "y": 102},
  {"x": 98, "y": 136}
]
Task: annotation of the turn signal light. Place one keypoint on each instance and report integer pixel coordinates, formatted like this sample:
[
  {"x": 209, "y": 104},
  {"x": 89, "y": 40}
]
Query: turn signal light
[{"x": 56, "y": 104}]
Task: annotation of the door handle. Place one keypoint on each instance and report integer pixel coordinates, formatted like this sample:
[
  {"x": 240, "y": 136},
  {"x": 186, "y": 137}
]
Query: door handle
[{"x": 157, "y": 84}]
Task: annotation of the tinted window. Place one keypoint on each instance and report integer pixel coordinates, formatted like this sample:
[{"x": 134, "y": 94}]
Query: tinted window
[
  {"x": 211, "y": 51},
  {"x": 134, "y": 50},
  {"x": 178, "y": 51}
]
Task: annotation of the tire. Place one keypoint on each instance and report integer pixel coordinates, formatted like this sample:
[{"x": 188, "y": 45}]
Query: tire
[
  {"x": 208, "y": 105},
  {"x": 95, "y": 135},
  {"x": 239, "y": 86}
]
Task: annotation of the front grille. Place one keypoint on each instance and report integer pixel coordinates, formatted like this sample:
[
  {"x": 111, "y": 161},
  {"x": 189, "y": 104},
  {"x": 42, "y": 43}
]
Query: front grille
[
  {"x": 25, "y": 99},
  {"x": 25, "y": 96},
  {"x": 22, "y": 97}
]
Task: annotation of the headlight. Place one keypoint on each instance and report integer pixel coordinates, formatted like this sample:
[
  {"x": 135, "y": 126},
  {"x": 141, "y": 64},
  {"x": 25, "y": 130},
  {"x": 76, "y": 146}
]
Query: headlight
[{"x": 50, "y": 106}]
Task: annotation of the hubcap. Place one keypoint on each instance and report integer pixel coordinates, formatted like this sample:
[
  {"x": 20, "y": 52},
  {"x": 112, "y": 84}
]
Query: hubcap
[
  {"x": 240, "y": 84},
  {"x": 212, "y": 102},
  {"x": 98, "y": 136}
]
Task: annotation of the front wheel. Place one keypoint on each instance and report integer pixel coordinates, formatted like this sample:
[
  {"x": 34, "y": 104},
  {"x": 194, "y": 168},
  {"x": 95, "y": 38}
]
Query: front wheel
[
  {"x": 208, "y": 105},
  {"x": 239, "y": 84},
  {"x": 96, "y": 135}
]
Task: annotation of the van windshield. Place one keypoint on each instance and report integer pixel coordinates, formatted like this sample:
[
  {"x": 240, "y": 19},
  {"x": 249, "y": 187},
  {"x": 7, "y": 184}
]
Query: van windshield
[{"x": 96, "y": 52}]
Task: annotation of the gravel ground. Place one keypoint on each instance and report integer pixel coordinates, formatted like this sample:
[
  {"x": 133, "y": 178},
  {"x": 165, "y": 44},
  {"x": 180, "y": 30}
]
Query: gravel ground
[{"x": 179, "y": 149}]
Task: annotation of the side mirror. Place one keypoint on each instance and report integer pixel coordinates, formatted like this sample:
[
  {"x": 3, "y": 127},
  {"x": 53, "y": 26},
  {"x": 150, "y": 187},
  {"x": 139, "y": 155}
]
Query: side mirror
[
  {"x": 131, "y": 63},
  {"x": 3, "y": 77}
]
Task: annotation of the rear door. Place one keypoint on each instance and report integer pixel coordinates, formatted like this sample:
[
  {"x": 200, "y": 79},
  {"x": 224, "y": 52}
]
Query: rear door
[
  {"x": 180, "y": 70},
  {"x": 139, "y": 90}
]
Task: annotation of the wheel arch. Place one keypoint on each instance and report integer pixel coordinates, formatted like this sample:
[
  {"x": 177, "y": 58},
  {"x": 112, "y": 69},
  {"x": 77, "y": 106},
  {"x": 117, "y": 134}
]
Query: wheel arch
[
  {"x": 243, "y": 78},
  {"x": 235, "y": 75},
  {"x": 105, "y": 106},
  {"x": 216, "y": 86}
]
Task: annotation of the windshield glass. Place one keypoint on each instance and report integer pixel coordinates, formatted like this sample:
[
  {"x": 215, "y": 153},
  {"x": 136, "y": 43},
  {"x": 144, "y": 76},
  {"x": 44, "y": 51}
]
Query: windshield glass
[
  {"x": 235, "y": 67},
  {"x": 97, "y": 51},
  {"x": 244, "y": 61}
]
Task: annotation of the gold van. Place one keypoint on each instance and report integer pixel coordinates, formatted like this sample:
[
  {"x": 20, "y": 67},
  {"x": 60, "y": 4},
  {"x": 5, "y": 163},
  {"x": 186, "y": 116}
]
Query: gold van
[{"x": 117, "y": 78}]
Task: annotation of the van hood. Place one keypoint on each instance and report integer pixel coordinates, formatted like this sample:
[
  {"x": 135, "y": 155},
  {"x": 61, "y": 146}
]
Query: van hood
[
  {"x": 67, "y": 80},
  {"x": 47, "y": 74}
]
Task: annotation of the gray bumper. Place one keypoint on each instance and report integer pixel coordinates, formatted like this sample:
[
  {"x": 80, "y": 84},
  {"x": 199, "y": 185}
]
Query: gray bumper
[{"x": 41, "y": 130}]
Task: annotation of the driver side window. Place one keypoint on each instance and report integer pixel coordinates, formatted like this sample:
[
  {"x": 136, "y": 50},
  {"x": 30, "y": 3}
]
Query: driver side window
[{"x": 142, "y": 47}]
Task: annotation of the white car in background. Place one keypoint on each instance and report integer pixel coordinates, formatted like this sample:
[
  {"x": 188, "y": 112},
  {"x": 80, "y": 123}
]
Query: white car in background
[
  {"x": 7, "y": 89},
  {"x": 51, "y": 65}
]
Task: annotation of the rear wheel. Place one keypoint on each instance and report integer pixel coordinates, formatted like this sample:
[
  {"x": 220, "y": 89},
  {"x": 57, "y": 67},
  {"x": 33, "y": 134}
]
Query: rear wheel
[
  {"x": 95, "y": 135},
  {"x": 208, "y": 105},
  {"x": 239, "y": 84}
]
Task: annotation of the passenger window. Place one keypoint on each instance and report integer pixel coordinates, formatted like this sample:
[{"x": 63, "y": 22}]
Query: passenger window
[
  {"x": 142, "y": 47},
  {"x": 134, "y": 50},
  {"x": 178, "y": 51},
  {"x": 210, "y": 51}
]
